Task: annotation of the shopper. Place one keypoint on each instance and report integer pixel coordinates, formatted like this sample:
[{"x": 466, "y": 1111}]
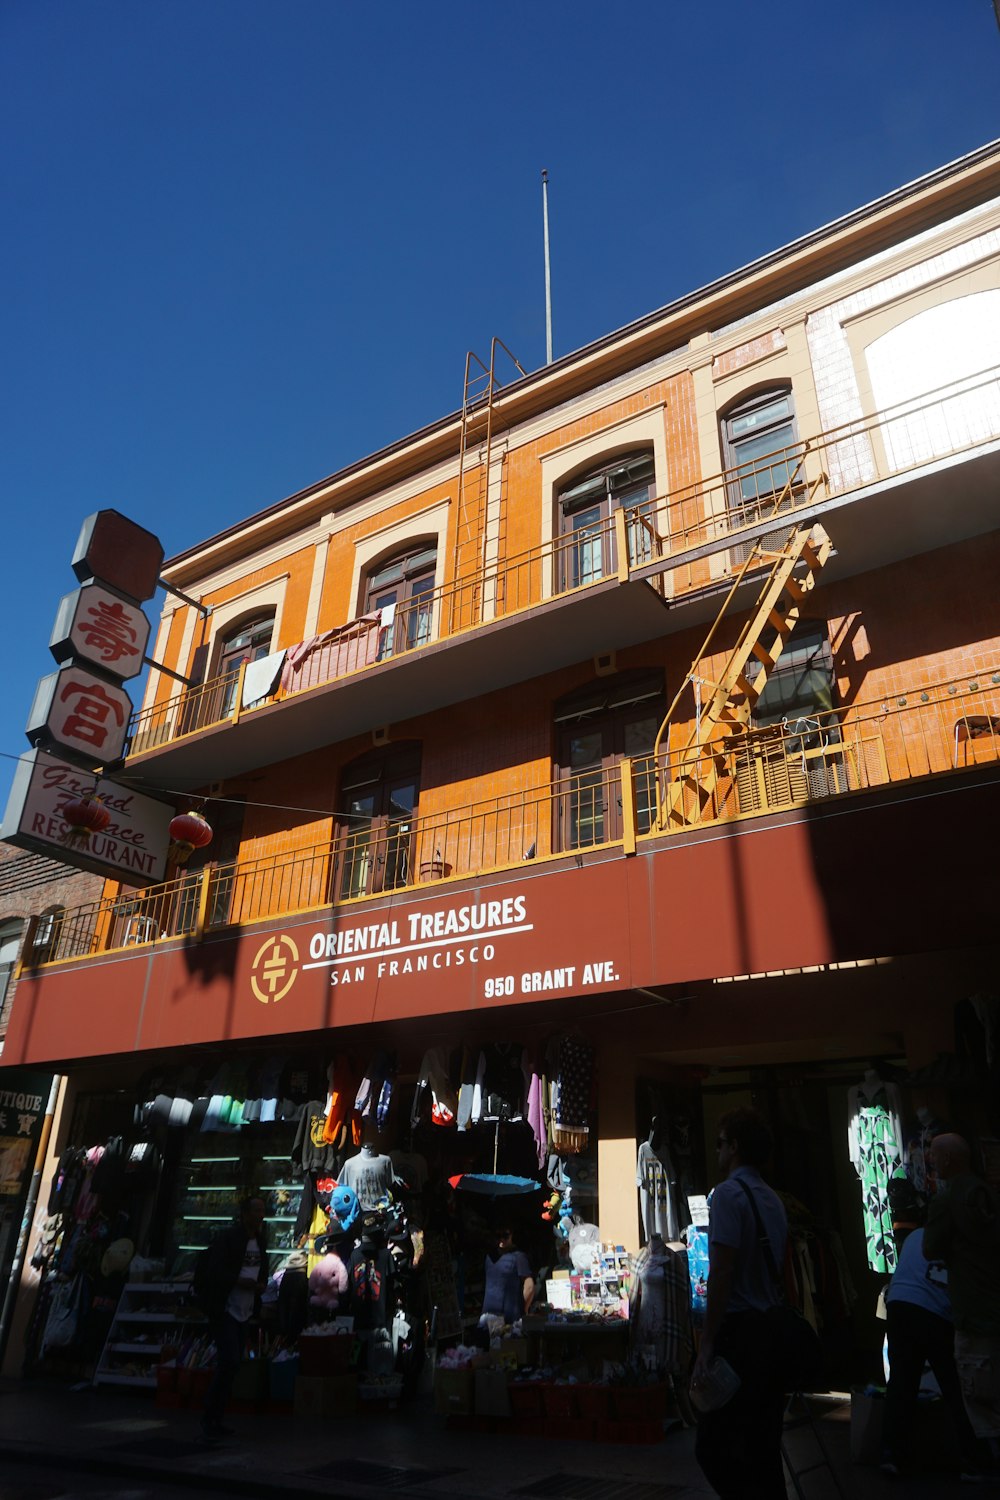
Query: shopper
[
  {"x": 963, "y": 1231},
  {"x": 228, "y": 1280},
  {"x": 920, "y": 1331},
  {"x": 510, "y": 1286},
  {"x": 739, "y": 1444}
]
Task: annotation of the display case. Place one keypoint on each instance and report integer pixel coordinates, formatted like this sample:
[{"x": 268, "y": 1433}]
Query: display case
[
  {"x": 211, "y": 1189},
  {"x": 151, "y": 1317}
]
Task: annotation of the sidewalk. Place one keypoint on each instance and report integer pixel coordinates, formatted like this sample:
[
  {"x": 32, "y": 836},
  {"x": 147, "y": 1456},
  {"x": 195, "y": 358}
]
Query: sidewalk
[{"x": 411, "y": 1452}]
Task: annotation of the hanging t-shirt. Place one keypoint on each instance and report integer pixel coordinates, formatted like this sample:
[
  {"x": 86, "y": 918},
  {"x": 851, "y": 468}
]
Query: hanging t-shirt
[
  {"x": 505, "y": 1278},
  {"x": 239, "y": 1303},
  {"x": 371, "y": 1177},
  {"x": 369, "y": 1280},
  {"x": 311, "y": 1151},
  {"x": 662, "y": 1212}
]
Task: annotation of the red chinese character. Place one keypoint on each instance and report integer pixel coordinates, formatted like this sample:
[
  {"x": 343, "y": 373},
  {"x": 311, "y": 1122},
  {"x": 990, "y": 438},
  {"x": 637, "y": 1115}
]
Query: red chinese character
[
  {"x": 89, "y": 722},
  {"x": 111, "y": 632}
]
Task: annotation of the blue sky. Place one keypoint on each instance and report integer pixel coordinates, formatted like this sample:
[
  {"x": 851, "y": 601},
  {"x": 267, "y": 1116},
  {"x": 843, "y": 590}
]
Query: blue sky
[{"x": 247, "y": 242}]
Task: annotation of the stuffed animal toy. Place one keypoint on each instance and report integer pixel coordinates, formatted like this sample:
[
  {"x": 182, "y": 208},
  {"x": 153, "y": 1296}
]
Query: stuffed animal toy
[
  {"x": 344, "y": 1206},
  {"x": 328, "y": 1282},
  {"x": 550, "y": 1208},
  {"x": 584, "y": 1244}
]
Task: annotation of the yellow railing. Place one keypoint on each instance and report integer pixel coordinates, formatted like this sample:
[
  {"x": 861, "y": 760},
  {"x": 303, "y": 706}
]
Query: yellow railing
[
  {"x": 706, "y": 514},
  {"x": 939, "y": 728}
]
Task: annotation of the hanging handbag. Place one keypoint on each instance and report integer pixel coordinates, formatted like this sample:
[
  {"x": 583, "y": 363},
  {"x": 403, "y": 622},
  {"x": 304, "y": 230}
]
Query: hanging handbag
[
  {"x": 62, "y": 1325},
  {"x": 795, "y": 1352}
]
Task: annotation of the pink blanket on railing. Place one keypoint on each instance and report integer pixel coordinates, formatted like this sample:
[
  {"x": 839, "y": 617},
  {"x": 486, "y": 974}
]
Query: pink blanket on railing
[{"x": 332, "y": 654}]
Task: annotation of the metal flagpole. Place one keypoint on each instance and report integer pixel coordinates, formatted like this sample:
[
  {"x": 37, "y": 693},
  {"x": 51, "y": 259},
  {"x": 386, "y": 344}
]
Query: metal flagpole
[{"x": 548, "y": 274}]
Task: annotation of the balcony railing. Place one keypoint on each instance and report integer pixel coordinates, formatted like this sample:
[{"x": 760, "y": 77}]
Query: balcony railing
[
  {"x": 956, "y": 418},
  {"x": 939, "y": 728},
  {"x": 709, "y": 513}
]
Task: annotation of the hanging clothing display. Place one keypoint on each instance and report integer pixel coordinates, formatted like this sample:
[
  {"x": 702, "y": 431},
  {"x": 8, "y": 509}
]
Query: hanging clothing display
[
  {"x": 660, "y": 1308},
  {"x": 662, "y": 1207},
  {"x": 342, "y": 1126},
  {"x": 876, "y": 1147},
  {"x": 433, "y": 1076},
  {"x": 571, "y": 1089},
  {"x": 311, "y": 1151},
  {"x": 370, "y": 1176},
  {"x": 370, "y": 1273}
]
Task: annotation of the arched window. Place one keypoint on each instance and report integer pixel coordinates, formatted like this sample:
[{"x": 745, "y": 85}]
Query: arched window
[
  {"x": 247, "y": 642},
  {"x": 761, "y": 453},
  {"x": 952, "y": 345},
  {"x": 756, "y": 435},
  {"x": 586, "y": 505},
  {"x": 597, "y": 726},
  {"x": 378, "y": 799},
  {"x": 401, "y": 589},
  {"x": 10, "y": 941}
]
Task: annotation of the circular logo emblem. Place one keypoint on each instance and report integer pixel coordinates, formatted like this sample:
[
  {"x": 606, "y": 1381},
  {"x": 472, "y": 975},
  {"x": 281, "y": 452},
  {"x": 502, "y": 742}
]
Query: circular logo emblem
[{"x": 274, "y": 969}]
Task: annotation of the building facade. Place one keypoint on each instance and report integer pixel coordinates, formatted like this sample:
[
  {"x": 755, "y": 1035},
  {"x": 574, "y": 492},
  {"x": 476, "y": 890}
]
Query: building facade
[
  {"x": 34, "y": 895},
  {"x": 651, "y": 700}
]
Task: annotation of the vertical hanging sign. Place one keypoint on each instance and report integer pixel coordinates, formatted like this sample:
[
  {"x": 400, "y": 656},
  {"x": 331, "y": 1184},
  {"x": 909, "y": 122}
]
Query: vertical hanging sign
[
  {"x": 100, "y": 637},
  {"x": 80, "y": 715}
]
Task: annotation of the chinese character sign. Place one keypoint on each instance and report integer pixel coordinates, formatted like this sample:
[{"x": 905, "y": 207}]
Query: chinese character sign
[
  {"x": 97, "y": 626},
  {"x": 82, "y": 714}
]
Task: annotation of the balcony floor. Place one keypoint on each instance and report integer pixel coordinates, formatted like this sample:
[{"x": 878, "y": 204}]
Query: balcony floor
[{"x": 607, "y": 616}]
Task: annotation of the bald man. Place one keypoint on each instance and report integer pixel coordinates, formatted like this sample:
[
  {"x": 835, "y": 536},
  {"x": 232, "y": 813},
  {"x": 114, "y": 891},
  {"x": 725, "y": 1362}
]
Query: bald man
[{"x": 963, "y": 1231}]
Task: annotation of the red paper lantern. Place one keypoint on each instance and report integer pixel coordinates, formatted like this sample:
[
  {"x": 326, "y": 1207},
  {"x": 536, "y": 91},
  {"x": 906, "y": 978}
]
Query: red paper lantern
[
  {"x": 83, "y": 816},
  {"x": 188, "y": 831}
]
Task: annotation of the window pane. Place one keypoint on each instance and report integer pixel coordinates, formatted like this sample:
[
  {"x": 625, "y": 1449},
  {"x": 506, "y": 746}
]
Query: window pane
[
  {"x": 420, "y": 611},
  {"x": 586, "y": 555},
  {"x": 763, "y": 416},
  {"x": 425, "y": 559},
  {"x": 640, "y": 737},
  {"x": 586, "y": 750},
  {"x": 792, "y": 695},
  {"x": 586, "y": 810},
  {"x": 757, "y": 477},
  {"x": 391, "y": 573},
  {"x": 402, "y": 799}
]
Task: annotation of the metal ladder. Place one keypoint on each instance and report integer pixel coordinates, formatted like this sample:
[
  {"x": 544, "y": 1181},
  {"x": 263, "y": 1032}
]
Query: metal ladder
[
  {"x": 478, "y": 487},
  {"x": 683, "y": 796}
]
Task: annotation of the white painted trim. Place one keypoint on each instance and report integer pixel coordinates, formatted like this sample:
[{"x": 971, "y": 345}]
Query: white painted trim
[
  {"x": 316, "y": 588},
  {"x": 224, "y": 616},
  {"x": 393, "y": 538}
]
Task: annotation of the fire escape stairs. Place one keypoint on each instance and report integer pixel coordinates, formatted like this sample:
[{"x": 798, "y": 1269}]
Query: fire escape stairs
[{"x": 724, "y": 708}]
